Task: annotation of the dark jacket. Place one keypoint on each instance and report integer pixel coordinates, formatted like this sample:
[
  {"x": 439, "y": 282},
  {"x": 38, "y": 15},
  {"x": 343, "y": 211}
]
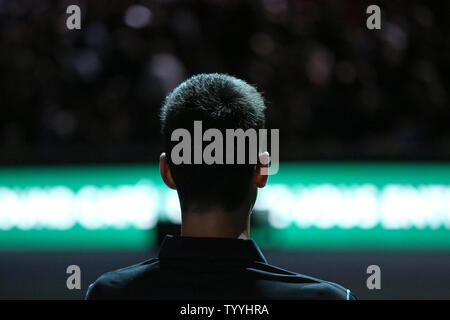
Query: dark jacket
[{"x": 211, "y": 268}]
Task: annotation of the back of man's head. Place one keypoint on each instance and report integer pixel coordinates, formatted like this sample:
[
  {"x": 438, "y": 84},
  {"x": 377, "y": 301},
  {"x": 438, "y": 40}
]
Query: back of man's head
[{"x": 222, "y": 102}]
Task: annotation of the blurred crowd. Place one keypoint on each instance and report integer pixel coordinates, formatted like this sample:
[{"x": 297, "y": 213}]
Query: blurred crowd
[{"x": 334, "y": 88}]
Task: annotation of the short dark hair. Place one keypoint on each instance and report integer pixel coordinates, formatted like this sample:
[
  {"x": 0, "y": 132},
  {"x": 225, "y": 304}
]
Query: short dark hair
[{"x": 223, "y": 102}]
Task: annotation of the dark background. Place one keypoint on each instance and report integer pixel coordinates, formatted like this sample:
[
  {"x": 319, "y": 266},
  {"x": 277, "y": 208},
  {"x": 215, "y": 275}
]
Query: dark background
[{"x": 336, "y": 91}]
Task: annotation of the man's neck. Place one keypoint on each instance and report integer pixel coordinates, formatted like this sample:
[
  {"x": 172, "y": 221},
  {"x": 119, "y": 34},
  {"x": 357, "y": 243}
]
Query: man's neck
[{"x": 215, "y": 224}]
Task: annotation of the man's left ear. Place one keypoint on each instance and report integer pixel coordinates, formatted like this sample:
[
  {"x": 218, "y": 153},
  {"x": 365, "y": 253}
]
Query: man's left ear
[{"x": 164, "y": 170}]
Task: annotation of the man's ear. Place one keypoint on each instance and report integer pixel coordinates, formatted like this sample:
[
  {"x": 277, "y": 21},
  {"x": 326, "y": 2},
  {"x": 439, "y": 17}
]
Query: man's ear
[
  {"x": 262, "y": 167},
  {"x": 164, "y": 169}
]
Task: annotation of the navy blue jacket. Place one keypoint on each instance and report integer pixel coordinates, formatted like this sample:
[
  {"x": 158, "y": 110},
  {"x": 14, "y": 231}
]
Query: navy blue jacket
[{"x": 211, "y": 268}]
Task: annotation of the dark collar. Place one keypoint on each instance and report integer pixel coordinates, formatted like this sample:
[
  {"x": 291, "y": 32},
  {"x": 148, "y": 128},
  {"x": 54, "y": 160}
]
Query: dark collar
[{"x": 177, "y": 247}]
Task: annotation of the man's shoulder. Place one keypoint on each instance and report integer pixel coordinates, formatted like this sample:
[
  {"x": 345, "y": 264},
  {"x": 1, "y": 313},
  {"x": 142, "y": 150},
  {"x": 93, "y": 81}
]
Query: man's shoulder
[
  {"x": 113, "y": 284},
  {"x": 276, "y": 283},
  {"x": 331, "y": 291},
  {"x": 300, "y": 286}
]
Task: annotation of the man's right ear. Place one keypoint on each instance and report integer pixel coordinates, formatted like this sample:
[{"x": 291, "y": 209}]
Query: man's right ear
[
  {"x": 262, "y": 168},
  {"x": 164, "y": 169}
]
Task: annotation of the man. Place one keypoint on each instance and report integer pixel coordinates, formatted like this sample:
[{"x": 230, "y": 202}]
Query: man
[{"x": 213, "y": 258}]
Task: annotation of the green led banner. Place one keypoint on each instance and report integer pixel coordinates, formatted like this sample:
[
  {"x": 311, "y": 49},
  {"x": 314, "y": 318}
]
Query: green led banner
[{"x": 326, "y": 206}]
